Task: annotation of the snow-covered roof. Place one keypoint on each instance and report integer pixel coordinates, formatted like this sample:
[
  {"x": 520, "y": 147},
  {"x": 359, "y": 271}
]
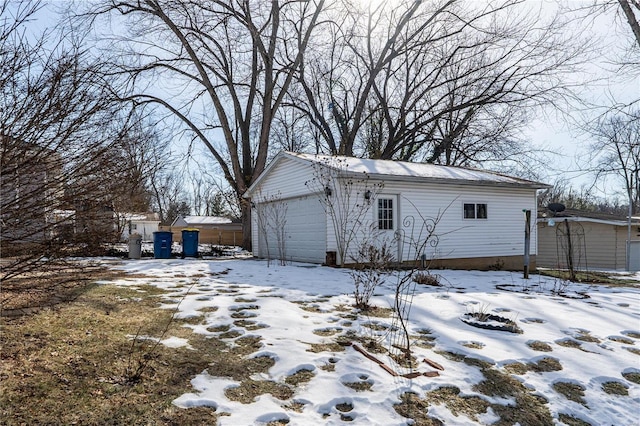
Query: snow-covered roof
[
  {"x": 403, "y": 170},
  {"x": 140, "y": 217},
  {"x": 205, "y": 220}
]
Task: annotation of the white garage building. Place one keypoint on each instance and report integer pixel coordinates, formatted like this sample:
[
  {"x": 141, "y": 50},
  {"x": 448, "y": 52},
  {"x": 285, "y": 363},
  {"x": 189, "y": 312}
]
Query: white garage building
[{"x": 321, "y": 209}]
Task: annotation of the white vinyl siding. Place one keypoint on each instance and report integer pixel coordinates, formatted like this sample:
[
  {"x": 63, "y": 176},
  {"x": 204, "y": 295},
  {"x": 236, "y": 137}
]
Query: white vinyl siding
[{"x": 500, "y": 234}]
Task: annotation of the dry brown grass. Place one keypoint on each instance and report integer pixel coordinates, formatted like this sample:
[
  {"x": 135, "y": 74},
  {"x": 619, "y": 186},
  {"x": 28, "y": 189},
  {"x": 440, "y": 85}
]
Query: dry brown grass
[
  {"x": 74, "y": 363},
  {"x": 572, "y": 391}
]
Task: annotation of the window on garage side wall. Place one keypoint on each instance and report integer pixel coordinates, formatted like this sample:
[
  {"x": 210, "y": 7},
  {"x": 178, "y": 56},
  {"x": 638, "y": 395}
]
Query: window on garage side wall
[{"x": 475, "y": 211}]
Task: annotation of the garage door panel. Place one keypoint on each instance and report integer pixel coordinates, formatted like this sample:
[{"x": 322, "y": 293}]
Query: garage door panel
[{"x": 305, "y": 231}]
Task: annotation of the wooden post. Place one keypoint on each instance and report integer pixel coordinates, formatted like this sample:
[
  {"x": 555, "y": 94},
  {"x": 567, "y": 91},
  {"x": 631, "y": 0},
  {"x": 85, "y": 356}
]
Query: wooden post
[
  {"x": 572, "y": 273},
  {"x": 527, "y": 242}
]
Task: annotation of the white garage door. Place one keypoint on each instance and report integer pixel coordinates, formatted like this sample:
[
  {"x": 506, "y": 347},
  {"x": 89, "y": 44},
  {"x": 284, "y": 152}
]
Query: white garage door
[{"x": 304, "y": 230}]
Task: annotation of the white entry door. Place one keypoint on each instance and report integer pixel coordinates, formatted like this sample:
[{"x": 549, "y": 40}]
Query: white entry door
[{"x": 634, "y": 259}]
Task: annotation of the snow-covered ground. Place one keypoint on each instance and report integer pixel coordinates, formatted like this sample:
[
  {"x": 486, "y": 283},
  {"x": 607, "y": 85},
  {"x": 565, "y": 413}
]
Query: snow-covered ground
[{"x": 594, "y": 339}]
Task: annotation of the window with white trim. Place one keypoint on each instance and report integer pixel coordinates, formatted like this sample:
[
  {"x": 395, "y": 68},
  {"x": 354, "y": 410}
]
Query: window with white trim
[
  {"x": 385, "y": 213},
  {"x": 475, "y": 210}
]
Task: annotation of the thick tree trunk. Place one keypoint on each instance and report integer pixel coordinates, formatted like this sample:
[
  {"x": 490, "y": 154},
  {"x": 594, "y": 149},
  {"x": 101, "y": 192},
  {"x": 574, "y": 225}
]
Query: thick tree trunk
[
  {"x": 631, "y": 19},
  {"x": 245, "y": 206}
]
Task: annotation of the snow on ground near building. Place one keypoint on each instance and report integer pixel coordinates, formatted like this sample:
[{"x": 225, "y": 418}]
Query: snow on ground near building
[{"x": 594, "y": 339}]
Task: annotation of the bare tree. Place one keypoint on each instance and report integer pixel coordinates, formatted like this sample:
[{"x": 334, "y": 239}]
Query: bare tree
[
  {"x": 272, "y": 222},
  {"x": 445, "y": 82},
  {"x": 169, "y": 195},
  {"x": 226, "y": 68},
  {"x": 616, "y": 152},
  {"x": 62, "y": 132}
]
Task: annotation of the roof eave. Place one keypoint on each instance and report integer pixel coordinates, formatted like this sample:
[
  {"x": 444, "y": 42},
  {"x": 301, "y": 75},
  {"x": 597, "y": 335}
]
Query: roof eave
[{"x": 465, "y": 182}]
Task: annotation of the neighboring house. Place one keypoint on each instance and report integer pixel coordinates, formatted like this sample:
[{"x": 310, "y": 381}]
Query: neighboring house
[
  {"x": 213, "y": 229},
  {"x": 30, "y": 190},
  {"x": 597, "y": 241},
  {"x": 480, "y": 215},
  {"x": 144, "y": 224},
  {"x": 201, "y": 222}
]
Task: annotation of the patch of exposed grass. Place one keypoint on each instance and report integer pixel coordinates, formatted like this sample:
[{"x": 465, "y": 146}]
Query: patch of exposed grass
[
  {"x": 249, "y": 389},
  {"x": 527, "y": 411},
  {"x": 424, "y": 344},
  {"x": 569, "y": 343},
  {"x": 592, "y": 277},
  {"x": 452, "y": 356},
  {"x": 376, "y": 326},
  {"x": 473, "y": 345},
  {"x": 378, "y": 312},
  {"x": 572, "y": 420},
  {"x": 295, "y": 406},
  {"x": 79, "y": 353},
  {"x": 249, "y": 325},
  {"x": 244, "y": 308},
  {"x": 516, "y": 368},
  {"x": 635, "y": 351},
  {"x": 239, "y": 368},
  {"x": 539, "y": 346},
  {"x": 219, "y": 328},
  {"x": 299, "y": 377},
  {"x": 615, "y": 388},
  {"x": 325, "y": 347},
  {"x": 247, "y": 344},
  {"x": 344, "y": 407},
  {"x": 328, "y": 367},
  {"x": 632, "y": 334},
  {"x": 245, "y": 300},
  {"x": 232, "y": 334},
  {"x": 327, "y": 331},
  {"x": 470, "y": 406},
  {"x": 475, "y": 362},
  {"x": 243, "y": 315},
  {"x": 545, "y": 365},
  {"x": 621, "y": 339},
  {"x": 496, "y": 383},
  {"x": 586, "y": 336},
  {"x": 572, "y": 391},
  {"x": 361, "y": 386},
  {"x": 632, "y": 376},
  {"x": 412, "y": 407},
  {"x": 456, "y": 357}
]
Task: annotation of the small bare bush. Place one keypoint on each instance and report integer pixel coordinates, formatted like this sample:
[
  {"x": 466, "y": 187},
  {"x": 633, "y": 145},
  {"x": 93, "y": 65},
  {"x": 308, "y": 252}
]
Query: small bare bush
[
  {"x": 372, "y": 268},
  {"x": 426, "y": 278}
]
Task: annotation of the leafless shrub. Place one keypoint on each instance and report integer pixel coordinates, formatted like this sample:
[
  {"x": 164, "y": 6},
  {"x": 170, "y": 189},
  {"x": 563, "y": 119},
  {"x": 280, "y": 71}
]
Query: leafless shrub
[{"x": 371, "y": 270}]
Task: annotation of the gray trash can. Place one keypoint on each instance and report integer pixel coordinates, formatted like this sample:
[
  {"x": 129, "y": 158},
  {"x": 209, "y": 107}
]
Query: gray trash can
[{"x": 135, "y": 246}]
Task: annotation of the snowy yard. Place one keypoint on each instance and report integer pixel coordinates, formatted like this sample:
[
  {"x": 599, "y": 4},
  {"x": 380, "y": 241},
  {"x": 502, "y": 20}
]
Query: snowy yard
[{"x": 577, "y": 357}]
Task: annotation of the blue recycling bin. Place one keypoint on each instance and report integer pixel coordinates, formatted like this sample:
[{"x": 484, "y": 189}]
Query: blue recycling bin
[
  {"x": 162, "y": 241},
  {"x": 190, "y": 242}
]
